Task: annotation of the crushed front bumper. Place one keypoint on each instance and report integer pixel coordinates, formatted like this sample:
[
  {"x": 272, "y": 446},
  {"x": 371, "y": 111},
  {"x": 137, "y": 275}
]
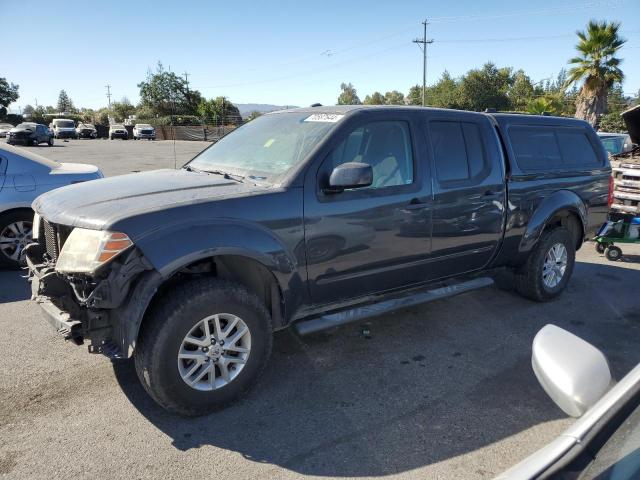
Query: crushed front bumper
[{"x": 109, "y": 318}]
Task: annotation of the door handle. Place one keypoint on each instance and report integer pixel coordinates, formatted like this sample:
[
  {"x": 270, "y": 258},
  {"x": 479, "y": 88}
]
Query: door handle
[{"x": 416, "y": 204}]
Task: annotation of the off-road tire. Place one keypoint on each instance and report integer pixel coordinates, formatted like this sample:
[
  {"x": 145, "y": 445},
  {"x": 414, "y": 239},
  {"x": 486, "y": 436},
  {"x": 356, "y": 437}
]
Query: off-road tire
[
  {"x": 528, "y": 280},
  {"x": 167, "y": 324},
  {"x": 600, "y": 247}
]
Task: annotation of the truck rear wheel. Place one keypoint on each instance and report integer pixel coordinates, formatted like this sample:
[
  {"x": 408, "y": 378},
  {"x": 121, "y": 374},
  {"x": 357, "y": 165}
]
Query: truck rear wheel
[
  {"x": 549, "y": 266},
  {"x": 203, "y": 346}
]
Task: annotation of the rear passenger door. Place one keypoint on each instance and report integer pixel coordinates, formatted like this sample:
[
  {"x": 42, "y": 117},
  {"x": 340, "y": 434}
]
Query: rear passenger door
[{"x": 469, "y": 192}]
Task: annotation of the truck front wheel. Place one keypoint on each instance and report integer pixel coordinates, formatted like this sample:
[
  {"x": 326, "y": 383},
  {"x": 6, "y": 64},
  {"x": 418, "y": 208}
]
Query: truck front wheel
[
  {"x": 549, "y": 266},
  {"x": 203, "y": 346}
]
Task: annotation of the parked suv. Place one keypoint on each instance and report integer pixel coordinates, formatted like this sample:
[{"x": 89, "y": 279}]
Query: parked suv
[
  {"x": 310, "y": 218},
  {"x": 118, "y": 131},
  {"x": 28, "y": 134},
  {"x": 144, "y": 130},
  {"x": 64, "y": 128}
]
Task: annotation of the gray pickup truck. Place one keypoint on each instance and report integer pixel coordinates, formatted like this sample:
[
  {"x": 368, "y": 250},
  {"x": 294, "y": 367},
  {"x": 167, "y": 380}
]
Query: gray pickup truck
[{"x": 310, "y": 218}]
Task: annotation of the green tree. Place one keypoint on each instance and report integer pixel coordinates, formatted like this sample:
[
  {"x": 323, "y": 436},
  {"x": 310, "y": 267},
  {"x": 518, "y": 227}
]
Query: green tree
[
  {"x": 521, "y": 91},
  {"x": 165, "y": 93},
  {"x": 348, "y": 96},
  {"x": 547, "y": 104},
  {"x": 28, "y": 110},
  {"x": 394, "y": 97},
  {"x": 612, "y": 122},
  {"x": 8, "y": 95},
  {"x": 64, "y": 102},
  {"x": 486, "y": 88},
  {"x": 122, "y": 109},
  {"x": 376, "y": 98},
  {"x": 445, "y": 93},
  {"x": 219, "y": 110},
  {"x": 597, "y": 67},
  {"x": 414, "y": 97}
]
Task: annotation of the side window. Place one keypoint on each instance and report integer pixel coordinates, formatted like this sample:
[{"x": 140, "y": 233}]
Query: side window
[
  {"x": 458, "y": 151},
  {"x": 3, "y": 165},
  {"x": 576, "y": 148},
  {"x": 386, "y": 146},
  {"x": 535, "y": 148}
]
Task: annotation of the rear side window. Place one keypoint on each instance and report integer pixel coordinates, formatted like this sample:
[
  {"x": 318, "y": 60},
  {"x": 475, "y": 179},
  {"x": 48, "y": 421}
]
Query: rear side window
[
  {"x": 458, "y": 150},
  {"x": 535, "y": 148},
  {"x": 576, "y": 149},
  {"x": 551, "y": 148}
]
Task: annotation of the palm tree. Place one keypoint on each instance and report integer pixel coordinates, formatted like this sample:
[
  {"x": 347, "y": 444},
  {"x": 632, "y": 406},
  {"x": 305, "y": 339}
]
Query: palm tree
[{"x": 597, "y": 66}]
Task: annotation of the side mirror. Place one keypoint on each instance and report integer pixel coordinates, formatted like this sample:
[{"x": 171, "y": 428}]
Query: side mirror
[
  {"x": 350, "y": 175},
  {"x": 574, "y": 373}
]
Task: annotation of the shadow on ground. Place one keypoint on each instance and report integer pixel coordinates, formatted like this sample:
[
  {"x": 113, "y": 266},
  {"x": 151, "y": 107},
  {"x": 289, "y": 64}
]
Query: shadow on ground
[
  {"x": 432, "y": 383},
  {"x": 14, "y": 286}
]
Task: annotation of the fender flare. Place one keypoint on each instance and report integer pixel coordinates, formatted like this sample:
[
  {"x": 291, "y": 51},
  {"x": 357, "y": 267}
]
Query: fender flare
[{"x": 557, "y": 202}]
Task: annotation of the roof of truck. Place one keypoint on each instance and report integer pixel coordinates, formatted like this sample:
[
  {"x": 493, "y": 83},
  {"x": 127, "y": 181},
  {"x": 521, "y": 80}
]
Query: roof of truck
[{"x": 502, "y": 118}]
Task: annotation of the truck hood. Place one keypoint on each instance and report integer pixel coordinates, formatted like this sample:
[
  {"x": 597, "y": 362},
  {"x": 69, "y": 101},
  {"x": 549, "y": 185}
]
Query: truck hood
[{"x": 101, "y": 203}]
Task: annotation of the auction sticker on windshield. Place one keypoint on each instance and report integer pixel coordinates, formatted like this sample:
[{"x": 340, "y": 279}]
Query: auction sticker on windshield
[{"x": 323, "y": 117}]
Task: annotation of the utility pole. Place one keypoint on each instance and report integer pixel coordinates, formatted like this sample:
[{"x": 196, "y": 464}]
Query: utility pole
[
  {"x": 108, "y": 87},
  {"x": 186, "y": 79},
  {"x": 422, "y": 43}
]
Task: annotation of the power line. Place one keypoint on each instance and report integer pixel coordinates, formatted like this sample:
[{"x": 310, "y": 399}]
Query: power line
[{"x": 422, "y": 43}]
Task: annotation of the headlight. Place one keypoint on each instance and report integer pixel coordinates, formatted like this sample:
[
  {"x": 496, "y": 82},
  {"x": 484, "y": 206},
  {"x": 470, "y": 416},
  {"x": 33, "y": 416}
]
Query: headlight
[
  {"x": 86, "y": 250},
  {"x": 35, "y": 228}
]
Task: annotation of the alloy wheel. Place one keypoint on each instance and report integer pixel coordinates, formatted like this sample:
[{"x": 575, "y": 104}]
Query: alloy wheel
[
  {"x": 214, "y": 352},
  {"x": 555, "y": 264},
  {"x": 14, "y": 238}
]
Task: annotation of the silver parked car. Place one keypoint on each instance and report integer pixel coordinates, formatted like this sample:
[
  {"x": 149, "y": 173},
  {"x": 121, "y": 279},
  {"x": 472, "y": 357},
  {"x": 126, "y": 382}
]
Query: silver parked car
[
  {"x": 604, "y": 443},
  {"x": 23, "y": 176}
]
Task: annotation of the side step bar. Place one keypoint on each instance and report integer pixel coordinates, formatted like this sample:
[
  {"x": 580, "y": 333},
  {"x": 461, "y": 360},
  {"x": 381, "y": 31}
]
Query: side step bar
[{"x": 330, "y": 320}]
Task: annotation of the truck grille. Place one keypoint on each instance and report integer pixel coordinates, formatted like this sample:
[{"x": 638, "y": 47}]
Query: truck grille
[
  {"x": 51, "y": 240},
  {"x": 54, "y": 238}
]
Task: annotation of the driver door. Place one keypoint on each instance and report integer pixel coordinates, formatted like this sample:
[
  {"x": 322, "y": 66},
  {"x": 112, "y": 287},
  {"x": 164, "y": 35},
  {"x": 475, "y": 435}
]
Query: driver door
[{"x": 371, "y": 239}]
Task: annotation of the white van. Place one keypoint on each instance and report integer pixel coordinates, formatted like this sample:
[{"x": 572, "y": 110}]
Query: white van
[{"x": 63, "y": 128}]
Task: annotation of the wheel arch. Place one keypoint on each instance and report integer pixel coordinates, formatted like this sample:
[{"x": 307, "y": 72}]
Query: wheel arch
[
  {"x": 244, "y": 269},
  {"x": 562, "y": 208}
]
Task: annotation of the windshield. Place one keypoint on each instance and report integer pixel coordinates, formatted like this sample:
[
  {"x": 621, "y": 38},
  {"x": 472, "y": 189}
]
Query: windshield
[
  {"x": 117, "y": 126},
  {"x": 143, "y": 125},
  {"x": 30, "y": 126},
  {"x": 613, "y": 145},
  {"x": 64, "y": 123},
  {"x": 267, "y": 147},
  {"x": 4, "y": 126}
]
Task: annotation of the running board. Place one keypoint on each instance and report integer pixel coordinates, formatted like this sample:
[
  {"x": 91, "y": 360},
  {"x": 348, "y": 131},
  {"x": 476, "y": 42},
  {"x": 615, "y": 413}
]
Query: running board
[{"x": 313, "y": 325}]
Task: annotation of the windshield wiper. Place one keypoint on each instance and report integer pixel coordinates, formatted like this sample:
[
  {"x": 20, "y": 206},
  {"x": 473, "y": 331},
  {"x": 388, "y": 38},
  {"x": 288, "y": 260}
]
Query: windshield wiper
[{"x": 226, "y": 175}]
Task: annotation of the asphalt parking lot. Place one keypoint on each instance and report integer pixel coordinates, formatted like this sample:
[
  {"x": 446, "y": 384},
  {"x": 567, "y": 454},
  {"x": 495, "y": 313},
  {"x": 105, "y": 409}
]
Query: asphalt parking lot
[{"x": 441, "y": 391}]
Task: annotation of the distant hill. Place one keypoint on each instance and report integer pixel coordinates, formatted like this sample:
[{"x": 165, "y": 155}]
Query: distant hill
[{"x": 247, "y": 108}]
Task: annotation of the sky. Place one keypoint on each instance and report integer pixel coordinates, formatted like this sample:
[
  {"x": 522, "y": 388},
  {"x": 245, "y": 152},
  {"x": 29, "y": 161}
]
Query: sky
[{"x": 291, "y": 52}]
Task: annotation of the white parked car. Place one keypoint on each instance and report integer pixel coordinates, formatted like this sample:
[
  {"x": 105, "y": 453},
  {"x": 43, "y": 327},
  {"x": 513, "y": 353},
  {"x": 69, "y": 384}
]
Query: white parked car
[
  {"x": 118, "y": 131},
  {"x": 144, "y": 130},
  {"x": 24, "y": 176},
  {"x": 63, "y": 128}
]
